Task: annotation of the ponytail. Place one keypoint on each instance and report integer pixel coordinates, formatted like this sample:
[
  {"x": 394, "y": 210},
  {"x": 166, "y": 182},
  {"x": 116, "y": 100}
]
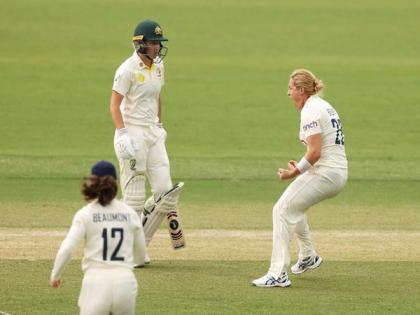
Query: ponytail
[
  {"x": 103, "y": 188},
  {"x": 303, "y": 78}
]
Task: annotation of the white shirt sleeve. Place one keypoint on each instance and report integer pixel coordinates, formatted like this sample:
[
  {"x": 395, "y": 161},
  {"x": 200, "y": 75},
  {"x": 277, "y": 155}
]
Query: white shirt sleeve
[
  {"x": 139, "y": 250},
  {"x": 122, "y": 81},
  {"x": 68, "y": 247},
  {"x": 311, "y": 123}
]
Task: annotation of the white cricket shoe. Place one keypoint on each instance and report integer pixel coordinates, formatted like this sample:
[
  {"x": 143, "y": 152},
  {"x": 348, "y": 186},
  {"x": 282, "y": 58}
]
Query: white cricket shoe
[
  {"x": 310, "y": 262},
  {"x": 268, "y": 281}
]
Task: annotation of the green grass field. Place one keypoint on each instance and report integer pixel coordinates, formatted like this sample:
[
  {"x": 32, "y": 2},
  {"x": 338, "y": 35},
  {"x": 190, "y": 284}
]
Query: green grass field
[{"x": 230, "y": 126}]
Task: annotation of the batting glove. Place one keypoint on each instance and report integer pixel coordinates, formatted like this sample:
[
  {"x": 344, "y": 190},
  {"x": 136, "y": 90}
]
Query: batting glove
[{"x": 124, "y": 144}]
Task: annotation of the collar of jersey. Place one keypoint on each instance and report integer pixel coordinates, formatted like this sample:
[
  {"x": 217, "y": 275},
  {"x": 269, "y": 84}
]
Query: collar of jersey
[{"x": 140, "y": 63}]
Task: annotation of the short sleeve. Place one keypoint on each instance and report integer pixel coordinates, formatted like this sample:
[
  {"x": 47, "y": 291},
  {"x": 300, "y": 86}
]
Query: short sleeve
[
  {"x": 310, "y": 123},
  {"x": 122, "y": 81}
]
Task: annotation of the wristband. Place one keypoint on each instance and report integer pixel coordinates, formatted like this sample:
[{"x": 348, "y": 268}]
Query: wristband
[{"x": 303, "y": 165}]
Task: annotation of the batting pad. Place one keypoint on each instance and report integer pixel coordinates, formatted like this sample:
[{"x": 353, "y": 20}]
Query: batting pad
[
  {"x": 155, "y": 211},
  {"x": 134, "y": 193}
]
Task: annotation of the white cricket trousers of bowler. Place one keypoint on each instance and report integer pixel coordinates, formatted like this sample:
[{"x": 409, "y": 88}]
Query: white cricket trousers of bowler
[
  {"x": 108, "y": 291},
  {"x": 289, "y": 213}
]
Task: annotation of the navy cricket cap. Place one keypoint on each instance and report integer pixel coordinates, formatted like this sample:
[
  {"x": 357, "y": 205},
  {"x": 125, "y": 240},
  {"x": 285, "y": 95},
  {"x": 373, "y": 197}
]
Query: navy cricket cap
[{"x": 104, "y": 168}]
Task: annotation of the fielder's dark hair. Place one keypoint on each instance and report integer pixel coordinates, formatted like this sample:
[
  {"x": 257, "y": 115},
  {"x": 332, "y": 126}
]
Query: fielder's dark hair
[{"x": 103, "y": 188}]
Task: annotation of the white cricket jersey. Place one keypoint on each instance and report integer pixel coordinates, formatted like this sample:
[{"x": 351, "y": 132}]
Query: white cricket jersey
[
  {"x": 319, "y": 117},
  {"x": 112, "y": 236},
  {"x": 140, "y": 86}
]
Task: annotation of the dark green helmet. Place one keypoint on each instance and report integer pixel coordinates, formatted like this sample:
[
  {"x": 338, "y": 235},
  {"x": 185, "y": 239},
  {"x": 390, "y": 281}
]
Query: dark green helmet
[{"x": 148, "y": 30}]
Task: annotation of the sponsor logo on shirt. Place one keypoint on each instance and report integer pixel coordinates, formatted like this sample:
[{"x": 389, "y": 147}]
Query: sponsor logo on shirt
[{"x": 311, "y": 125}]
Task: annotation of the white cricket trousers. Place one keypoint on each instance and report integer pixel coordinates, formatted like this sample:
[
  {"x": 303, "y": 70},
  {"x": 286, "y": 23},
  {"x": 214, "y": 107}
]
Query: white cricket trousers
[
  {"x": 108, "y": 291},
  {"x": 289, "y": 213},
  {"x": 151, "y": 160}
]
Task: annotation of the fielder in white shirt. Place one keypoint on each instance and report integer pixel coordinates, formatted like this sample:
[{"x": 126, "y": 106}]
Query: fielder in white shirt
[
  {"x": 321, "y": 174},
  {"x": 114, "y": 244},
  {"x": 136, "y": 110}
]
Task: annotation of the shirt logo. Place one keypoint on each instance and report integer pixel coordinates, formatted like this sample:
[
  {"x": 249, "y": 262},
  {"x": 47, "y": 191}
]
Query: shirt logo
[
  {"x": 140, "y": 78},
  {"x": 311, "y": 125},
  {"x": 133, "y": 164},
  {"x": 331, "y": 111}
]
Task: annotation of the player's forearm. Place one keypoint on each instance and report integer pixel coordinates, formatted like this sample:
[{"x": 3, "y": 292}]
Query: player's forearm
[
  {"x": 312, "y": 155},
  {"x": 313, "y": 151},
  {"x": 61, "y": 260},
  {"x": 67, "y": 248},
  {"x": 116, "y": 100},
  {"x": 116, "y": 116}
]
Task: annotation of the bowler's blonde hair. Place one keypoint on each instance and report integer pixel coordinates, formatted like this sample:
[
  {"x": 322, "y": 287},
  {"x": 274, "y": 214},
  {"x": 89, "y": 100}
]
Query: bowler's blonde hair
[{"x": 305, "y": 79}]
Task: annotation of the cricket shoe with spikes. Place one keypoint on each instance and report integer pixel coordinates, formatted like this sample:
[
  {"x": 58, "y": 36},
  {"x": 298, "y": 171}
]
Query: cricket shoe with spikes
[
  {"x": 310, "y": 262},
  {"x": 268, "y": 281}
]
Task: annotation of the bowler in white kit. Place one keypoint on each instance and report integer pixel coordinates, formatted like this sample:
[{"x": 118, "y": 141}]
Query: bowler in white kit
[
  {"x": 114, "y": 244},
  {"x": 320, "y": 174}
]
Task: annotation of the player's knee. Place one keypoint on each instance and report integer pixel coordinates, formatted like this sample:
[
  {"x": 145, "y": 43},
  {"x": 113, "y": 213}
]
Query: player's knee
[
  {"x": 281, "y": 208},
  {"x": 160, "y": 180},
  {"x": 283, "y": 213},
  {"x": 134, "y": 193}
]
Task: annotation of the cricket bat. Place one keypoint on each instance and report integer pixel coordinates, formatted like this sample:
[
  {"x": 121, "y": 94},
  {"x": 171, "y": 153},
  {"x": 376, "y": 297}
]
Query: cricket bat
[{"x": 175, "y": 230}]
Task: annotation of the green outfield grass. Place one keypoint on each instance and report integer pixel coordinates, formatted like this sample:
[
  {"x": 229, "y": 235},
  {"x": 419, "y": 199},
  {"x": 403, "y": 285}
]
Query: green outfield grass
[
  {"x": 230, "y": 126},
  {"x": 224, "y": 288}
]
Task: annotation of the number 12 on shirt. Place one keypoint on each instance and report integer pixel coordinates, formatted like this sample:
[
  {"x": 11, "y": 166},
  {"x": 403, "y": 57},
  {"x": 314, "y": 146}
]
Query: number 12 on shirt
[{"x": 114, "y": 232}]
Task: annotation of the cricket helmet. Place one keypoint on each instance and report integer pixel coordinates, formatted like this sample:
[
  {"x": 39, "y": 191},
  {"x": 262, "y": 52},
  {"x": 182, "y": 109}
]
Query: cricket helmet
[{"x": 148, "y": 30}]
